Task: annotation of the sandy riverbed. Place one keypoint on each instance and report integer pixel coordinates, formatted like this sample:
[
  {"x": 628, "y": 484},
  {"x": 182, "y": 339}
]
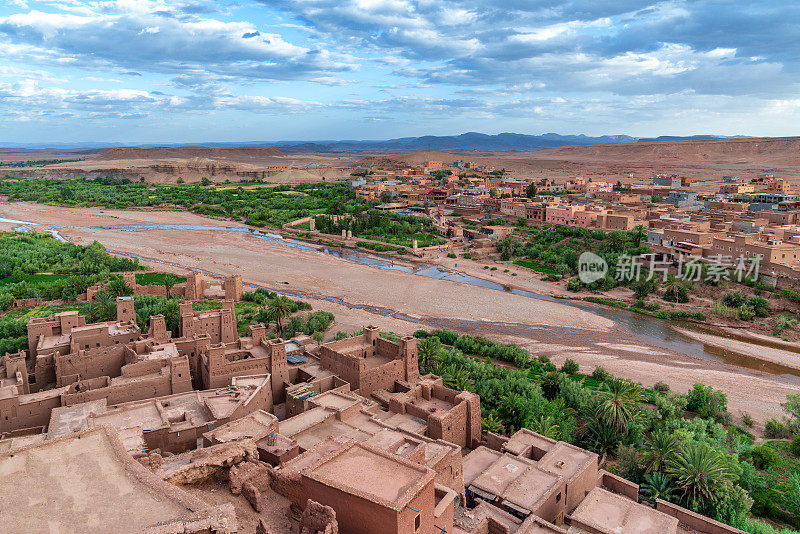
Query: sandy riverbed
[{"x": 369, "y": 295}]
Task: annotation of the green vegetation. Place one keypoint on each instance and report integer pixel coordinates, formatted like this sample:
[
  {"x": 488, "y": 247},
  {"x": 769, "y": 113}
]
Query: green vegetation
[
  {"x": 36, "y": 162},
  {"x": 40, "y": 267},
  {"x": 681, "y": 448},
  {"x": 555, "y": 251},
  {"x": 259, "y": 206},
  {"x": 394, "y": 228}
]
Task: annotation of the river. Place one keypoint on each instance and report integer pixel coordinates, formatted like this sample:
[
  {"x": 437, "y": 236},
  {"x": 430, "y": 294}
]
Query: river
[{"x": 647, "y": 330}]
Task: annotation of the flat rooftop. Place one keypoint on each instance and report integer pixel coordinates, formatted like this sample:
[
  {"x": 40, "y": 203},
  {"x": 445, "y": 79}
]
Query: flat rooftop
[
  {"x": 478, "y": 461},
  {"x": 335, "y": 400},
  {"x": 499, "y": 476},
  {"x": 567, "y": 460},
  {"x": 532, "y": 488},
  {"x": 84, "y": 483},
  {"x": 523, "y": 439},
  {"x": 372, "y": 474},
  {"x": 610, "y": 513},
  {"x": 256, "y": 425}
]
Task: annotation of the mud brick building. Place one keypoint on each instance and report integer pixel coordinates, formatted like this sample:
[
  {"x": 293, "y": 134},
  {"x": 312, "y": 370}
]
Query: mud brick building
[
  {"x": 67, "y": 332},
  {"x": 174, "y": 423},
  {"x": 340, "y": 437},
  {"x": 369, "y": 362},
  {"x": 450, "y": 415},
  {"x": 374, "y": 491}
]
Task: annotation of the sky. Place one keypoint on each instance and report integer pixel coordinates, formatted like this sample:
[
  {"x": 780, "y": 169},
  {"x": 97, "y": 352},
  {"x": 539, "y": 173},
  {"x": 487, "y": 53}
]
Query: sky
[{"x": 150, "y": 71}]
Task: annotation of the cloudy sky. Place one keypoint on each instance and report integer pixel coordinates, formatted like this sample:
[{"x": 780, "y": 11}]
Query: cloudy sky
[{"x": 137, "y": 71}]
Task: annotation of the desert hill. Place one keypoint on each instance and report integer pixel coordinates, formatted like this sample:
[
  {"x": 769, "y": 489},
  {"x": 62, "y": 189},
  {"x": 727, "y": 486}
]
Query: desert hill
[
  {"x": 770, "y": 151},
  {"x": 241, "y": 154}
]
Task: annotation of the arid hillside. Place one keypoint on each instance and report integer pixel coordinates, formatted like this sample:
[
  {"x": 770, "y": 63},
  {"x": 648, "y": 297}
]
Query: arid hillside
[
  {"x": 748, "y": 157},
  {"x": 628, "y": 162},
  {"x": 238, "y": 154},
  {"x": 191, "y": 164},
  {"x": 772, "y": 151}
]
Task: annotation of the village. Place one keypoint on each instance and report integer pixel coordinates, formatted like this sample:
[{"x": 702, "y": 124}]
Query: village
[
  {"x": 307, "y": 436},
  {"x": 723, "y": 216}
]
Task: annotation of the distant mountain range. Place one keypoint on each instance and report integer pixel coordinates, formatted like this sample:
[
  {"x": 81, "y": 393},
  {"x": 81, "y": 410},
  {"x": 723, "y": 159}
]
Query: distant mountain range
[{"x": 467, "y": 141}]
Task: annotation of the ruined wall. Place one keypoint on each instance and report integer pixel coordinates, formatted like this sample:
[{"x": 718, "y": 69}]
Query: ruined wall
[
  {"x": 92, "y": 363},
  {"x": 195, "y": 286},
  {"x": 145, "y": 388},
  {"x": 348, "y": 368},
  {"x": 233, "y": 287}
]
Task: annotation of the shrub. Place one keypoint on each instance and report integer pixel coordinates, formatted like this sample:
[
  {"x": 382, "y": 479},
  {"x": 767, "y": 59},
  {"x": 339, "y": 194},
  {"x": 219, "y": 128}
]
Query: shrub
[
  {"x": 570, "y": 367},
  {"x": 760, "y": 306},
  {"x": 574, "y": 285},
  {"x": 681, "y": 315},
  {"x": 746, "y": 313},
  {"x": 765, "y": 457},
  {"x": 781, "y": 323},
  {"x": 6, "y": 301},
  {"x": 724, "y": 311},
  {"x": 734, "y": 299},
  {"x": 775, "y": 429},
  {"x": 652, "y": 306},
  {"x": 451, "y": 255},
  {"x": 600, "y": 373},
  {"x": 706, "y": 401},
  {"x": 421, "y": 334},
  {"x": 661, "y": 387},
  {"x": 747, "y": 420},
  {"x": 794, "y": 446}
]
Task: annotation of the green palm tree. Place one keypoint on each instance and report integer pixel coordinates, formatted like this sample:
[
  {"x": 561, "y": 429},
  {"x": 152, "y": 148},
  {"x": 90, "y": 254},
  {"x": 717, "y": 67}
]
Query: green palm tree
[
  {"x": 657, "y": 485},
  {"x": 617, "y": 241},
  {"x": 168, "y": 282},
  {"x": 661, "y": 449},
  {"x": 103, "y": 307},
  {"x": 550, "y": 383},
  {"x": 458, "y": 378},
  {"x": 429, "y": 352},
  {"x": 601, "y": 437},
  {"x": 118, "y": 288},
  {"x": 620, "y": 403},
  {"x": 511, "y": 408},
  {"x": 279, "y": 309},
  {"x": 546, "y": 426},
  {"x": 700, "y": 474},
  {"x": 674, "y": 289},
  {"x": 637, "y": 235},
  {"x": 490, "y": 423}
]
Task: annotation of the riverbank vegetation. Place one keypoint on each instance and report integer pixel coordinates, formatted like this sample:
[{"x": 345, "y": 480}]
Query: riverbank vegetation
[
  {"x": 263, "y": 206},
  {"x": 679, "y": 447},
  {"x": 394, "y": 228},
  {"x": 554, "y": 252}
]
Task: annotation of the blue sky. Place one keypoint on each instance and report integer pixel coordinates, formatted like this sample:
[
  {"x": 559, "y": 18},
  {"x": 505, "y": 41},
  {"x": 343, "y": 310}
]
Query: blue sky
[{"x": 136, "y": 71}]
